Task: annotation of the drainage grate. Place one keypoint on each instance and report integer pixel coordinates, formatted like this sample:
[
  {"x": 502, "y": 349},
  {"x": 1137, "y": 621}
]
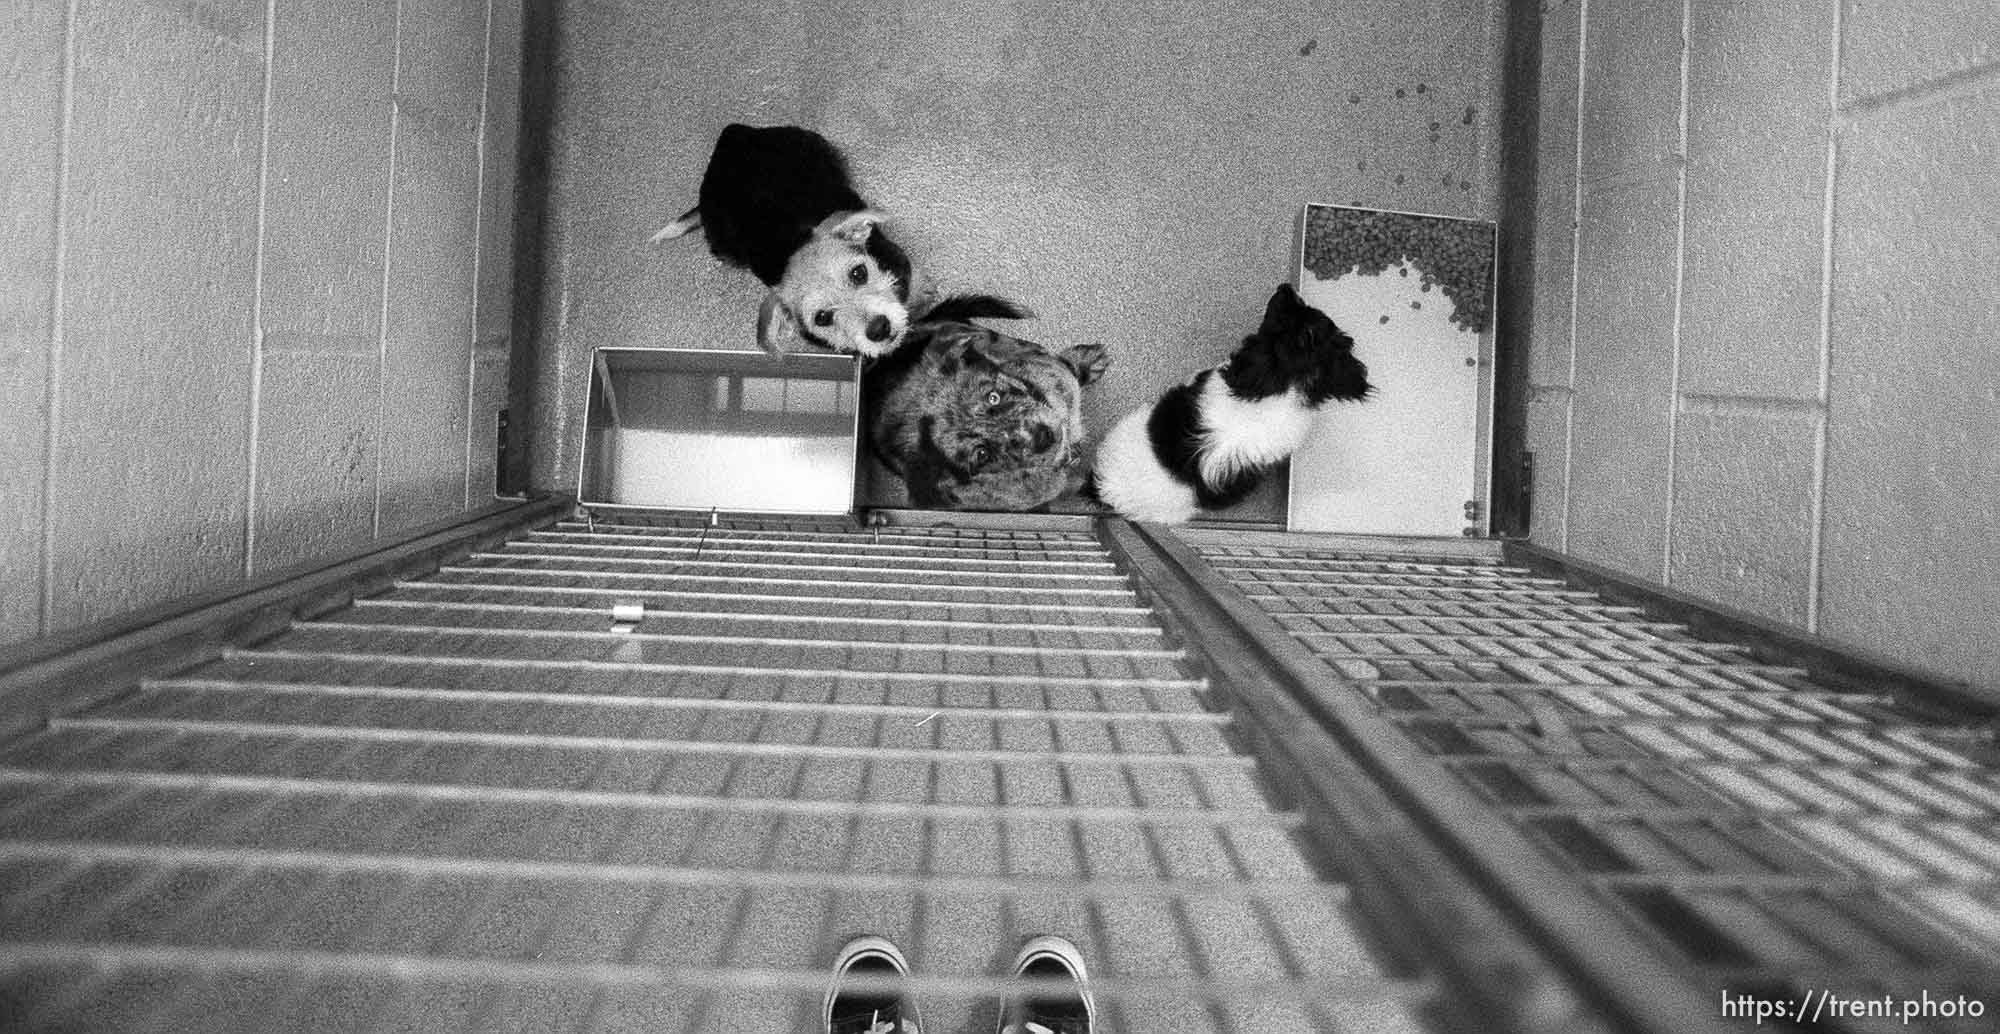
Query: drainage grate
[
  {"x": 1782, "y": 841},
  {"x": 649, "y": 775}
]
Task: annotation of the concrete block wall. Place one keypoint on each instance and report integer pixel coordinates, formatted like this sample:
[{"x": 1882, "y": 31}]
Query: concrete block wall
[
  {"x": 255, "y": 271},
  {"x": 1763, "y": 321},
  {"x": 1133, "y": 172}
]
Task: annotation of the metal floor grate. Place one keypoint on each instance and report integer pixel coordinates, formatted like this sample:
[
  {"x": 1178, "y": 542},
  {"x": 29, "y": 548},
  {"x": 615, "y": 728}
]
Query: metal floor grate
[
  {"x": 1778, "y": 839},
  {"x": 476, "y": 801}
]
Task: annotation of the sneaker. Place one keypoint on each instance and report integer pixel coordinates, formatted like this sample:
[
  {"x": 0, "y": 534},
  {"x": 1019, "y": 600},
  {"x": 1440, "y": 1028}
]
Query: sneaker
[
  {"x": 869, "y": 1010},
  {"x": 1065, "y": 1007}
]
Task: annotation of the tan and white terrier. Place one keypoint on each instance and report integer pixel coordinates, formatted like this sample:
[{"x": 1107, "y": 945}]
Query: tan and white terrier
[{"x": 778, "y": 201}]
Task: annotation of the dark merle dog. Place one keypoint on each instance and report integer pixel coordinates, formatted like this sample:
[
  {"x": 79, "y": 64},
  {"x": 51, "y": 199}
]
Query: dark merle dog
[
  {"x": 1208, "y": 442},
  {"x": 974, "y": 419},
  {"x": 778, "y": 201}
]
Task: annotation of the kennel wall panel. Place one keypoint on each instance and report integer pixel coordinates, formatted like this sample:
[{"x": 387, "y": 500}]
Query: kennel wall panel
[
  {"x": 1826, "y": 249},
  {"x": 1618, "y": 466},
  {"x": 151, "y": 381},
  {"x": 317, "y": 466},
  {"x": 1752, "y": 345},
  {"x": 433, "y": 227},
  {"x": 1628, "y": 123},
  {"x": 1753, "y": 289},
  {"x": 1722, "y": 548},
  {"x": 1896, "y": 48},
  {"x": 1912, "y": 492},
  {"x": 500, "y": 211},
  {"x": 220, "y": 234},
  {"x": 1551, "y": 333},
  {"x": 329, "y": 126},
  {"x": 325, "y": 243},
  {"x": 499, "y": 176},
  {"x": 31, "y": 54},
  {"x": 1550, "y": 361}
]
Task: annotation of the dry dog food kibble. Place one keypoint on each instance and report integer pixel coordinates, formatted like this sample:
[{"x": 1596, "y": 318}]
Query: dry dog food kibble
[{"x": 1454, "y": 254}]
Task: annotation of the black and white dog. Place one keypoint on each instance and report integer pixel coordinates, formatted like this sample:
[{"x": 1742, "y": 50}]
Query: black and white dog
[
  {"x": 1208, "y": 442},
  {"x": 778, "y": 201}
]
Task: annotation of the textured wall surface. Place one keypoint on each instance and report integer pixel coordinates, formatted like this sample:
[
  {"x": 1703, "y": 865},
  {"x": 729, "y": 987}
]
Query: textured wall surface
[
  {"x": 1132, "y": 172},
  {"x": 1763, "y": 314},
  {"x": 31, "y": 58},
  {"x": 248, "y": 250}
]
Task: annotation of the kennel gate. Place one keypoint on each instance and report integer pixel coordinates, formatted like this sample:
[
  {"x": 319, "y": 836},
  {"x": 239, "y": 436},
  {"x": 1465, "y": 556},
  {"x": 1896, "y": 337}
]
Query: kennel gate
[{"x": 644, "y": 770}]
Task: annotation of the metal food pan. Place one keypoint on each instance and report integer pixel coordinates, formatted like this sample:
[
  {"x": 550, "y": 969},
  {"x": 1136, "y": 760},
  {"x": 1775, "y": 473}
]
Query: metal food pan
[{"x": 704, "y": 429}]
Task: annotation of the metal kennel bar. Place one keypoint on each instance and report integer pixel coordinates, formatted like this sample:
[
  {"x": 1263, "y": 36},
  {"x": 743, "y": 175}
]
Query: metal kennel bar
[
  {"x": 649, "y": 772},
  {"x": 1743, "y": 829}
]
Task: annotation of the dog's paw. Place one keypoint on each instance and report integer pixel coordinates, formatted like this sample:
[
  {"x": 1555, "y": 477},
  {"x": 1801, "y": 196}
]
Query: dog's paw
[{"x": 1089, "y": 361}]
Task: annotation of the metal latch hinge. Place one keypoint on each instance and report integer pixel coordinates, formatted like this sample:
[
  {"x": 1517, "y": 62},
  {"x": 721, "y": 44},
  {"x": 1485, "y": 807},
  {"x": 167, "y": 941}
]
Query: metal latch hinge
[{"x": 1526, "y": 491}]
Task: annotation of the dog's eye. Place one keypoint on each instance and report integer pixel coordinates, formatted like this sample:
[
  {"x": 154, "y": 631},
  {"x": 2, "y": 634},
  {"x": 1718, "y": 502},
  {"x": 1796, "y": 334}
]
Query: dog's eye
[
  {"x": 857, "y": 274},
  {"x": 992, "y": 399},
  {"x": 980, "y": 453},
  {"x": 823, "y": 318}
]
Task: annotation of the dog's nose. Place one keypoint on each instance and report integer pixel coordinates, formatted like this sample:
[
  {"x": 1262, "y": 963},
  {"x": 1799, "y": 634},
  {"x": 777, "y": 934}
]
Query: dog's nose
[
  {"x": 878, "y": 329},
  {"x": 1041, "y": 438}
]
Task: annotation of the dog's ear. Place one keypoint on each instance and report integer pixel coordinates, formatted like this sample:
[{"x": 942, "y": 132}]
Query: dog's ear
[
  {"x": 689, "y": 221},
  {"x": 775, "y": 324},
  {"x": 1345, "y": 378},
  {"x": 1088, "y": 361},
  {"x": 855, "y": 227},
  {"x": 953, "y": 348},
  {"x": 893, "y": 261}
]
